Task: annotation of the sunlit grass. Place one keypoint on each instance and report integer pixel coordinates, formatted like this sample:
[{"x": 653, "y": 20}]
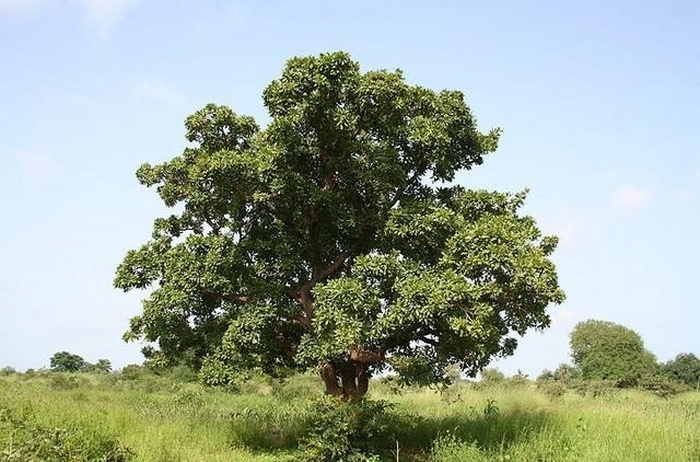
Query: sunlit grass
[{"x": 160, "y": 420}]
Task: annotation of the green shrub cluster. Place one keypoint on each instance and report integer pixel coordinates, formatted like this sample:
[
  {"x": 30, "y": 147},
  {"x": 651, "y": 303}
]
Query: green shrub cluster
[{"x": 355, "y": 432}]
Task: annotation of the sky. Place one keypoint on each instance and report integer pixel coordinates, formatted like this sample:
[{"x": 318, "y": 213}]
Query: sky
[{"x": 599, "y": 103}]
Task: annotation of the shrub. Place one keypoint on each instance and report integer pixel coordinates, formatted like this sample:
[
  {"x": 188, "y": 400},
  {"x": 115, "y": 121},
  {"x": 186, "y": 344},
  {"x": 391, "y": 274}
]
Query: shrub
[
  {"x": 189, "y": 397},
  {"x": 61, "y": 381},
  {"x": 551, "y": 388},
  {"x": 661, "y": 386},
  {"x": 518, "y": 380},
  {"x": 134, "y": 372},
  {"x": 492, "y": 376},
  {"x": 349, "y": 432},
  {"x": 5, "y": 371}
]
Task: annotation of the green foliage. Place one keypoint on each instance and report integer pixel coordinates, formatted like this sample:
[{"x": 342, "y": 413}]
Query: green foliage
[
  {"x": 357, "y": 432},
  {"x": 103, "y": 365},
  {"x": 23, "y": 439},
  {"x": 134, "y": 372},
  {"x": 607, "y": 351},
  {"x": 566, "y": 374},
  {"x": 176, "y": 421},
  {"x": 282, "y": 426},
  {"x": 684, "y": 368},
  {"x": 492, "y": 376},
  {"x": 7, "y": 370},
  {"x": 662, "y": 386},
  {"x": 64, "y": 361},
  {"x": 330, "y": 239},
  {"x": 551, "y": 388}
]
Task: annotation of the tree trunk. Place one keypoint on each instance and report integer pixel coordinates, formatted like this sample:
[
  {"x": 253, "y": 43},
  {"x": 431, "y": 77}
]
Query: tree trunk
[{"x": 348, "y": 381}]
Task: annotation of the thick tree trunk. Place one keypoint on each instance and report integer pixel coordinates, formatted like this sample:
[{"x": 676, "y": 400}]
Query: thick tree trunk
[{"x": 348, "y": 381}]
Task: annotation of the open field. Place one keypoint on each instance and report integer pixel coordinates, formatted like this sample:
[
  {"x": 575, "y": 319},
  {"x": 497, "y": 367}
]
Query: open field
[{"x": 111, "y": 418}]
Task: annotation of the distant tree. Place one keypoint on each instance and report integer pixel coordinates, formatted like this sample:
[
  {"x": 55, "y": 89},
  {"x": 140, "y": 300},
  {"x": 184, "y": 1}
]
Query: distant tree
[
  {"x": 684, "y": 368},
  {"x": 453, "y": 373},
  {"x": 332, "y": 238},
  {"x": 604, "y": 350},
  {"x": 64, "y": 361},
  {"x": 7, "y": 370},
  {"x": 566, "y": 373},
  {"x": 135, "y": 371},
  {"x": 102, "y": 365},
  {"x": 545, "y": 376},
  {"x": 492, "y": 375}
]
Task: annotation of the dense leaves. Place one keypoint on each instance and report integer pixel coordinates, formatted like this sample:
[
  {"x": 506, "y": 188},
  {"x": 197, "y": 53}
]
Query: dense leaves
[
  {"x": 329, "y": 239},
  {"x": 607, "y": 351},
  {"x": 684, "y": 368},
  {"x": 64, "y": 361}
]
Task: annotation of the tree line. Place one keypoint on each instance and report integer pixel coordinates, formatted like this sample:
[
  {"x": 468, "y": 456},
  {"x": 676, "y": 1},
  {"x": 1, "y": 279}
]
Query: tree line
[{"x": 602, "y": 351}]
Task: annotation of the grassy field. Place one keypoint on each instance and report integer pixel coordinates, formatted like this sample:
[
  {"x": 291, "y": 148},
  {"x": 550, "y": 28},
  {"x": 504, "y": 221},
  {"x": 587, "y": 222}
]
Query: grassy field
[{"x": 66, "y": 417}]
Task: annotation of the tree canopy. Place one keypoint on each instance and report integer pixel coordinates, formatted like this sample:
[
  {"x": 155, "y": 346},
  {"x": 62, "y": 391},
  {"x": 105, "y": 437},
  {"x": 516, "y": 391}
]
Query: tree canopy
[
  {"x": 684, "y": 368},
  {"x": 64, "y": 361},
  {"x": 608, "y": 351},
  {"x": 333, "y": 239}
]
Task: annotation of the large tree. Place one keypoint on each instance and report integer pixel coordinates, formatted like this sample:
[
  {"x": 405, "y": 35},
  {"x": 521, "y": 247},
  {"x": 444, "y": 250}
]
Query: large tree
[
  {"x": 332, "y": 239},
  {"x": 607, "y": 351}
]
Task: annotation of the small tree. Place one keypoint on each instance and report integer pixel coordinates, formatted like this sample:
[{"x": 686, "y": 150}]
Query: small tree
[
  {"x": 102, "y": 365},
  {"x": 330, "y": 239},
  {"x": 566, "y": 373},
  {"x": 684, "y": 368},
  {"x": 491, "y": 375},
  {"x": 64, "y": 361},
  {"x": 603, "y": 350}
]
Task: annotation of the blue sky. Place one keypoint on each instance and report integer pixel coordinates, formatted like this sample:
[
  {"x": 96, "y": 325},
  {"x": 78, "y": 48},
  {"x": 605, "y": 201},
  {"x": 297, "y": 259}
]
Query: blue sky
[{"x": 599, "y": 103}]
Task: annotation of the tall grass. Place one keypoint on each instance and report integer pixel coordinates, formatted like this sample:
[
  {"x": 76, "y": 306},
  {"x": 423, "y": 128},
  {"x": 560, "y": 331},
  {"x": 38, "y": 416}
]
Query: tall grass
[{"x": 154, "y": 419}]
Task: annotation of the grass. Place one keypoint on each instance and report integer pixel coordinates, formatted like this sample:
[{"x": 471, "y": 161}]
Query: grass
[{"x": 152, "y": 419}]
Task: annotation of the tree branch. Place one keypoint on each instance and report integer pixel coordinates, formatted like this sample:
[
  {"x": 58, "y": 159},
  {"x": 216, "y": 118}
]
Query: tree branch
[{"x": 399, "y": 194}]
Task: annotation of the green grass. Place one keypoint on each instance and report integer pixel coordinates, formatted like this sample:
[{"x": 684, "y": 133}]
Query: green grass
[{"x": 84, "y": 417}]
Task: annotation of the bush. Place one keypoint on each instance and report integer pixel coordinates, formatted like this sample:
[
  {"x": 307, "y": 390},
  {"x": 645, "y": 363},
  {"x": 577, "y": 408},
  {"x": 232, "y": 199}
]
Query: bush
[
  {"x": 5, "y": 371},
  {"x": 661, "y": 386},
  {"x": 518, "y": 380},
  {"x": 492, "y": 376},
  {"x": 134, "y": 372},
  {"x": 61, "y": 381},
  {"x": 189, "y": 397},
  {"x": 349, "y": 432},
  {"x": 551, "y": 388}
]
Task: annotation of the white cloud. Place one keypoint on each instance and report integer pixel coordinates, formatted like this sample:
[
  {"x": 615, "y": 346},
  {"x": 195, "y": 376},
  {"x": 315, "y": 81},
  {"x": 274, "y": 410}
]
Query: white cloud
[
  {"x": 160, "y": 92},
  {"x": 37, "y": 166},
  {"x": 630, "y": 198}
]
